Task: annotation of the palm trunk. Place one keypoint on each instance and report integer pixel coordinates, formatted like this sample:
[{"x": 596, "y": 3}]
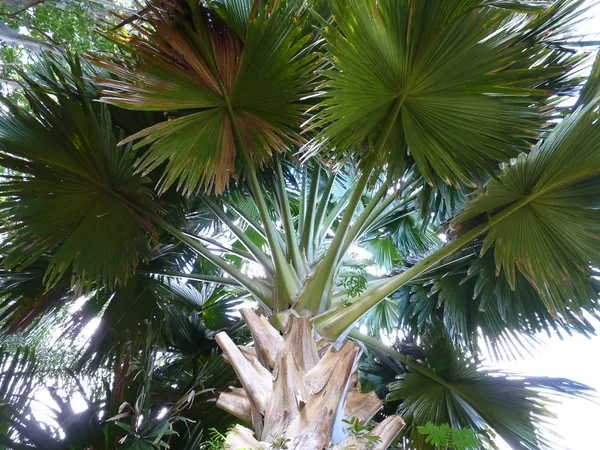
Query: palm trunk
[{"x": 296, "y": 395}]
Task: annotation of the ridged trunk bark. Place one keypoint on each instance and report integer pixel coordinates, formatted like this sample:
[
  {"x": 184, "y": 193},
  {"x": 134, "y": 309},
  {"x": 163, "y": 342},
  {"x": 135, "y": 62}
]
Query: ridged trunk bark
[{"x": 296, "y": 395}]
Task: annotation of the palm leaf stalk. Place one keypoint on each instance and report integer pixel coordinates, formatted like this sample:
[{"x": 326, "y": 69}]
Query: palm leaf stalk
[{"x": 410, "y": 101}]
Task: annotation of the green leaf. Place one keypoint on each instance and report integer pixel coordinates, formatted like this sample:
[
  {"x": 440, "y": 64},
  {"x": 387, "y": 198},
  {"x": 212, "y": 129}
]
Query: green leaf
[
  {"x": 479, "y": 307},
  {"x": 408, "y": 237},
  {"x": 235, "y": 13},
  {"x": 439, "y": 436},
  {"x": 439, "y": 202},
  {"x": 25, "y": 299},
  {"x": 466, "y": 84},
  {"x": 244, "y": 76},
  {"x": 274, "y": 56},
  {"x": 383, "y": 317},
  {"x": 383, "y": 251},
  {"x": 73, "y": 188},
  {"x": 465, "y": 395},
  {"x": 546, "y": 213},
  {"x": 591, "y": 89},
  {"x": 125, "y": 314},
  {"x": 442, "y": 436},
  {"x": 175, "y": 143}
]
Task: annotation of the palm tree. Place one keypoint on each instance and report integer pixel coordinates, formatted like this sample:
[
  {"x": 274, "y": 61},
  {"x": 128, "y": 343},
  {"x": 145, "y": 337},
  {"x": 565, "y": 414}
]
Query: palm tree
[{"x": 391, "y": 123}]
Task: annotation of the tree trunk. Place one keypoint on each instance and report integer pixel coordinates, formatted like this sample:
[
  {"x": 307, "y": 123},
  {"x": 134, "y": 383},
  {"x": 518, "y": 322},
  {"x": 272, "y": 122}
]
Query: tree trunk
[{"x": 297, "y": 396}]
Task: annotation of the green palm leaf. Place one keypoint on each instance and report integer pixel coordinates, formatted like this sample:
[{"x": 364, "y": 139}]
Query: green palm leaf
[
  {"x": 25, "y": 299},
  {"x": 465, "y": 395},
  {"x": 547, "y": 213},
  {"x": 71, "y": 188},
  {"x": 591, "y": 88},
  {"x": 185, "y": 316},
  {"x": 385, "y": 317},
  {"x": 17, "y": 379},
  {"x": 455, "y": 78},
  {"x": 235, "y": 13},
  {"x": 475, "y": 304},
  {"x": 241, "y": 74},
  {"x": 409, "y": 237},
  {"x": 125, "y": 316},
  {"x": 438, "y": 203},
  {"x": 383, "y": 251}
]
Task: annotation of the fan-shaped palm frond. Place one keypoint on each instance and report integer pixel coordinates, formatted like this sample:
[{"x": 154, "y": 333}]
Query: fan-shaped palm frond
[
  {"x": 474, "y": 302},
  {"x": 191, "y": 329},
  {"x": 71, "y": 187},
  {"x": 219, "y": 63},
  {"x": 384, "y": 318},
  {"x": 401, "y": 231},
  {"x": 439, "y": 203},
  {"x": 547, "y": 213},
  {"x": 449, "y": 386},
  {"x": 454, "y": 84},
  {"x": 125, "y": 315},
  {"x": 186, "y": 316}
]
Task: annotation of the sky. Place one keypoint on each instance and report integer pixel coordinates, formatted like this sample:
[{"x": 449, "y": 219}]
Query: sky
[{"x": 576, "y": 358}]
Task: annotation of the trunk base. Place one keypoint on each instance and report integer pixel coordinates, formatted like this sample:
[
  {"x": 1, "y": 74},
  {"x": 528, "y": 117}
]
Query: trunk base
[{"x": 297, "y": 398}]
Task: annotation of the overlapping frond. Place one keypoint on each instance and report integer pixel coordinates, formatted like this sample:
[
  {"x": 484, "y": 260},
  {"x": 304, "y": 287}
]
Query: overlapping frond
[
  {"x": 464, "y": 395},
  {"x": 439, "y": 203},
  {"x": 458, "y": 80},
  {"x": 238, "y": 70},
  {"x": 235, "y": 13},
  {"x": 383, "y": 318},
  {"x": 479, "y": 308},
  {"x": 17, "y": 380},
  {"x": 71, "y": 187},
  {"x": 24, "y": 299},
  {"x": 544, "y": 213},
  {"x": 402, "y": 231}
]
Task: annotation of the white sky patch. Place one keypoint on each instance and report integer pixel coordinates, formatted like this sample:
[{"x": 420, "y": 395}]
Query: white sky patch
[
  {"x": 162, "y": 413},
  {"x": 78, "y": 403},
  {"x": 575, "y": 358}
]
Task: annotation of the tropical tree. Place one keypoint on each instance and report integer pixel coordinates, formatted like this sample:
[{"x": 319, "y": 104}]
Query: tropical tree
[{"x": 298, "y": 135}]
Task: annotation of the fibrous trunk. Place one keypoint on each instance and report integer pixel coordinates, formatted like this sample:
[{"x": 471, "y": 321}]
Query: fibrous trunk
[{"x": 297, "y": 396}]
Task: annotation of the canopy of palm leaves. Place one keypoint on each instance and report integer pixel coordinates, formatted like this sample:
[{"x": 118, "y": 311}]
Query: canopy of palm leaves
[
  {"x": 465, "y": 393},
  {"x": 306, "y": 157}
]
